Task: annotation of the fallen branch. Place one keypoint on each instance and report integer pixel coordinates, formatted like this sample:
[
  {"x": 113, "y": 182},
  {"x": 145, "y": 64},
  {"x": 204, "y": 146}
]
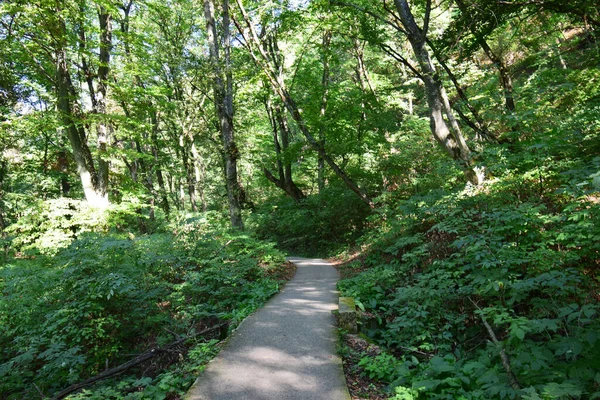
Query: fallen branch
[
  {"x": 505, "y": 361},
  {"x": 138, "y": 360}
]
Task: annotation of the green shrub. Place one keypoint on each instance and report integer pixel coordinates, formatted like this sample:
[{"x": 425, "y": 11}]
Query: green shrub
[
  {"x": 319, "y": 225},
  {"x": 519, "y": 258},
  {"x": 65, "y": 318}
]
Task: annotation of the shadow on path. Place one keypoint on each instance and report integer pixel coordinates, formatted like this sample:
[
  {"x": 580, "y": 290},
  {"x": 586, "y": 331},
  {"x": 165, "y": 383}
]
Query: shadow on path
[{"x": 284, "y": 351}]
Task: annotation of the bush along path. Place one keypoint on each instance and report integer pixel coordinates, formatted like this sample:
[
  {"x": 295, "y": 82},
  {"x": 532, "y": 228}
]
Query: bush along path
[
  {"x": 286, "y": 350},
  {"x": 113, "y": 315}
]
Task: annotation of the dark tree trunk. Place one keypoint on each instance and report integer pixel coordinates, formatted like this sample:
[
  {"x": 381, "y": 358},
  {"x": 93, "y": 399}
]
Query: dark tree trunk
[
  {"x": 155, "y": 146},
  {"x": 223, "y": 95},
  {"x": 284, "y": 165},
  {"x": 104, "y": 127},
  {"x": 505, "y": 76},
  {"x": 76, "y": 134},
  {"x": 94, "y": 183},
  {"x": 322, "y": 112},
  {"x": 479, "y": 126},
  {"x": 3, "y": 234}
]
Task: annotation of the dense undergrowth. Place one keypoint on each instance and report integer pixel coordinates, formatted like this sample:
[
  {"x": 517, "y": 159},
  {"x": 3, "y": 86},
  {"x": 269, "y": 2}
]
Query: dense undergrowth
[
  {"x": 78, "y": 301},
  {"x": 487, "y": 292},
  {"x": 319, "y": 226},
  {"x": 451, "y": 278}
]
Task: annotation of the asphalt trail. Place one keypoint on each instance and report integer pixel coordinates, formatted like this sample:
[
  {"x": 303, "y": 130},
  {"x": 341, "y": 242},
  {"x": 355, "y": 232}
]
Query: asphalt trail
[{"x": 284, "y": 351}]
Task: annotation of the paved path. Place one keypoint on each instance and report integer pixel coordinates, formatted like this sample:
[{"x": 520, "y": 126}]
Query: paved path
[{"x": 284, "y": 351}]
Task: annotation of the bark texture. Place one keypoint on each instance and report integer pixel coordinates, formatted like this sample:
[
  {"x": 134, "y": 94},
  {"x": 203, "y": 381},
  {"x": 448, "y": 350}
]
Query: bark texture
[
  {"x": 281, "y": 134},
  {"x": 503, "y": 70},
  {"x": 322, "y": 112},
  {"x": 442, "y": 122},
  {"x": 95, "y": 183},
  {"x": 223, "y": 95}
]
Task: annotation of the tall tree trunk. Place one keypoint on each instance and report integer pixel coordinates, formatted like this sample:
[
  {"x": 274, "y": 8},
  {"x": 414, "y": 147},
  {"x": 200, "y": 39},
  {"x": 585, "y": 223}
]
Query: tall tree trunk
[
  {"x": 223, "y": 93},
  {"x": 93, "y": 186},
  {"x": 155, "y": 146},
  {"x": 284, "y": 165},
  {"x": 198, "y": 178},
  {"x": 3, "y": 234},
  {"x": 63, "y": 168},
  {"x": 362, "y": 79},
  {"x": 284, "y": 131},
  {"x": 447, "y": 134},
  {"x": 104, "y": 127},
  {"x": 479, "y": 126},
  {"x": 190, "y": 177},
  {"x": 201, "y": 188},
  {"x": 324, "y": 98},
  {"x": 76, "y": 134},
  {"x": 503, "y": 70},
  {"x": 147, "y": 168},
  {"x": 253, "y": 42},
  {"x": 275, "y": 128}
]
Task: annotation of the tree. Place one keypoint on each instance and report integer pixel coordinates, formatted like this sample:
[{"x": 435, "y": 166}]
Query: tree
[
  {"x": 281, "y": 143},
  {"x": 94, "y": 179},
  {"x": 261, "y": 58},
  {"x": 471, "y": 19},
  {"x": 443, "y": 123},
  {"x": 446, "y": 132},
  {"x": 45, "y": 33},
  {"x": 223, "y": 98}
]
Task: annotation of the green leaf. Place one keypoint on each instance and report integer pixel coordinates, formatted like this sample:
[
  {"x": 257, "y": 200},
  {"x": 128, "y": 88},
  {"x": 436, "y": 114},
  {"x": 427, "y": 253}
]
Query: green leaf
[
  {"x": 520, "y": 333},
  {"x": 424, "y": 385}
]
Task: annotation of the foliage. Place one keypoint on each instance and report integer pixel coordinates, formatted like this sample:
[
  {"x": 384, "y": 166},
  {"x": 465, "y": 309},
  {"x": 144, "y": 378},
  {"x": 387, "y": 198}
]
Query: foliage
[
  {"x": 83, "y": 289},
  {"x": 319, "y": 225},
  {"x": 519, "y": 254},
  {"x": 108, "y": 295},
  {"x": 521, "y": 257}
]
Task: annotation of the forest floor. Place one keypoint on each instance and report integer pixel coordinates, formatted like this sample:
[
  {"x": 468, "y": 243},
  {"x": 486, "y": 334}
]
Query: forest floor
[
  {"x": 354, "y": 347},
  {"x": 359, "y": 384}
]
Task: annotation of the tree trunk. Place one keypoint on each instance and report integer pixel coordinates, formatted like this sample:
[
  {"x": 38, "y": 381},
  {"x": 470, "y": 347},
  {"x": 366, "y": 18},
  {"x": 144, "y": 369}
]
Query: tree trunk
[
  {"x": 284, "y": 165},
  {"x": 288, "y": 182},
  {"x": 275, "y": 128},
  {"x": 188, "y": 170},
  {"x": 223, "y": 94},
  {"x": 3, "y": 234},
  {"x": 198, "y": 178},
  {"x": 505, "y": 76},
  {"x": 322, "y": 125},
  {"x": 94, "y": 190},
  {"x": 164, "y": 202},
  {"x": 281, "y": 90},
  {"x": 447, "y": 134},
  {"x": 150, "y": 167},
  {"x": 479, "y": 126},
  {"x": 104, "y": 128},
  {"x": 76, "y": 134}
]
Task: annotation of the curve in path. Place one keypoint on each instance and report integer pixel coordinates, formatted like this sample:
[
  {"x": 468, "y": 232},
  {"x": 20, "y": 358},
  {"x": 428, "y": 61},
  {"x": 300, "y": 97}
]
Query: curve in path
[{"x": 284, "y": 351}]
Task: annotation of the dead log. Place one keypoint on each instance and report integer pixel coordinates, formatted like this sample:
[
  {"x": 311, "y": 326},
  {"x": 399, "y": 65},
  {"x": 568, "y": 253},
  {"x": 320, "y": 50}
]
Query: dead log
[{"x": 138, "y": 360}]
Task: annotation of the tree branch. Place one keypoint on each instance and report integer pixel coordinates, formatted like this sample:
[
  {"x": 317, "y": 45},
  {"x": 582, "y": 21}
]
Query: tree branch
[
  {"x": 427, "y": 17},
  {"x": 505, "y": 361},
  {"x": 394, "y": 54},
  {"x": 369, "y": 12},
  {"x": 138, "y": 360}
]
